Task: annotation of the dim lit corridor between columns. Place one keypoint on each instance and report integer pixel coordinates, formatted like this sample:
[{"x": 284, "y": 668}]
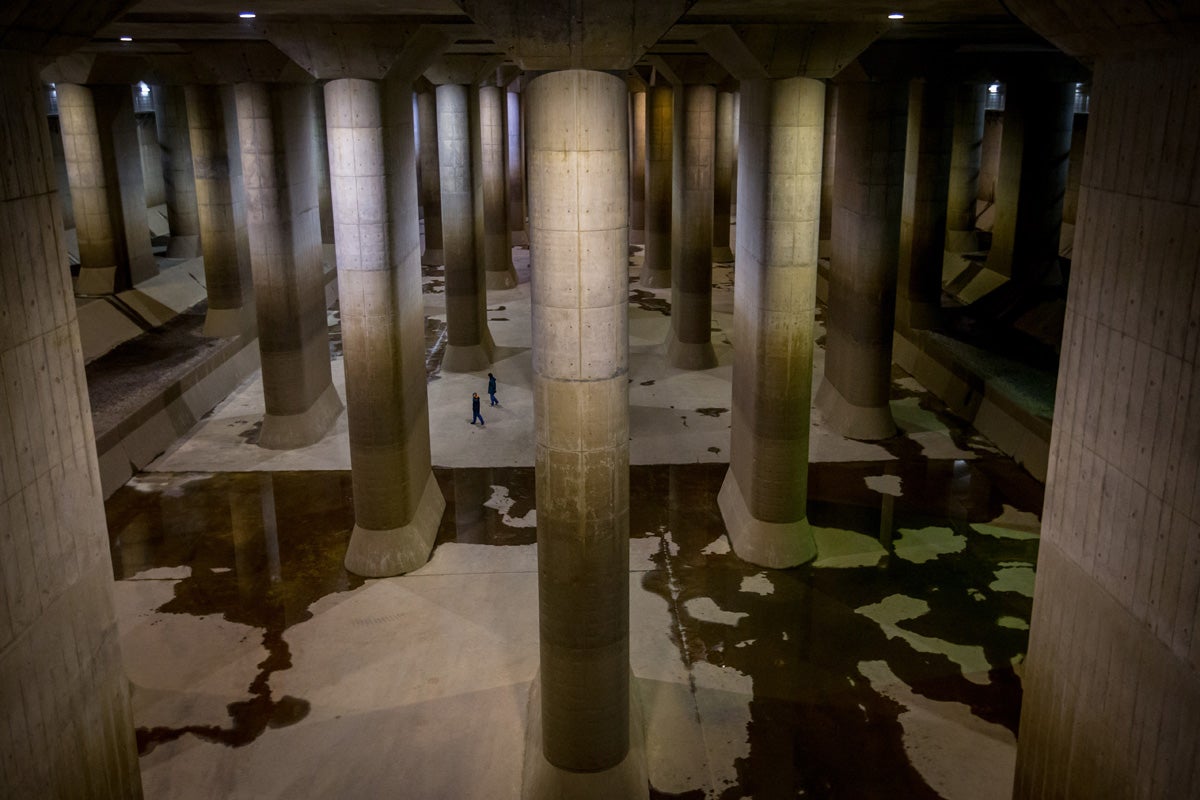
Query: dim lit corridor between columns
[{"x": 888, "y": 667}]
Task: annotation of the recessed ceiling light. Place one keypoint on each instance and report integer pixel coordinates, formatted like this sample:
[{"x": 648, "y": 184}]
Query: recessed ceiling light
[
  {"x": 126, "y": 38},
  {"x": 895, "y": 15},
  {"x": 247, "y": 15}
]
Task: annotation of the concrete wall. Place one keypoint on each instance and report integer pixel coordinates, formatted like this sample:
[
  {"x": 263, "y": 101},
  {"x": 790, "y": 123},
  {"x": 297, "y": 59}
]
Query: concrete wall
[
  {"x": 152, "y": 168},
  {"x": 67, "y": 728},
  {"x": 1112, "y": 688}
]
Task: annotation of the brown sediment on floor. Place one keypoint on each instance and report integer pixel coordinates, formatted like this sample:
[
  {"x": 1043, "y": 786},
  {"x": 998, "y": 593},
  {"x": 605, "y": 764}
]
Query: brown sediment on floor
[{"x": 648, "y": 302}]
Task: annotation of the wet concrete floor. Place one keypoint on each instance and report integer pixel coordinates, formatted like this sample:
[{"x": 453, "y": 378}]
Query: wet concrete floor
[{"x": 261, "y": 548}]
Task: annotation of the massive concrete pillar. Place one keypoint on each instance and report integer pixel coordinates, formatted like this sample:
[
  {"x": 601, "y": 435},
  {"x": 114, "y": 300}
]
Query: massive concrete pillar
[
  {"x": 689, "y": 343},
  {"x": 660, "y": 113},
  {"x": 966, "y": 155},
  {"x": 923, "y": 207},
  {"x": 493, "y": 186},
  {"x": 104, "y": 169},
  {"x": 469, "y": 344},
  {"x": 854, "y": 395},
  {"x": 64, "y": 696},
  {"x": 514, "y": 164},
  {"x": 1112, "y": 679},
  {"x": 276, "y": 127},
  {"x": 764, "y": 497},
  {"x": 723, "y": 178},
  {"x": 431, "y": 190},
  {"x": 324, "y": 188},
  {"x": 637, "y": 165},
  {"x": 151, "y": 155},
  {"x": 170, "y": 113},
  {"x": 578, "y": 194},
  {"x": 1034, "y": 152},
  {"x": 397, "y": 502},
  {"x": 227, "y": 275},
  {"x": 828, "y": 154}
]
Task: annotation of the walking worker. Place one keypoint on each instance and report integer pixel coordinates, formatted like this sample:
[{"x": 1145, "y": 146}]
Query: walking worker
[
  {"x": 492, "y": 389},
  {"x": 475, "y": 415}
]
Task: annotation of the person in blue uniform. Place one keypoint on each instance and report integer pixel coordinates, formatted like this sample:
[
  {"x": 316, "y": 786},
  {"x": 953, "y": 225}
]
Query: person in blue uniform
[
  {"x": 492, "y": 389},
  {"x": 475, "y": 409}
]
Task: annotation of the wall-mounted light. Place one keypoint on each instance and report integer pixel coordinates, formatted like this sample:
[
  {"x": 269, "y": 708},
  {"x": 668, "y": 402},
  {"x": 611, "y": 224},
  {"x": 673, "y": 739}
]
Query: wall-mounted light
[
  {"x": 143, "y": 89},
  {"x": 126, "y": 38},
  {"x": 247, "y": 15},
  {"x": 895, "y": 15},
  {"x": 994, "y": 89}
]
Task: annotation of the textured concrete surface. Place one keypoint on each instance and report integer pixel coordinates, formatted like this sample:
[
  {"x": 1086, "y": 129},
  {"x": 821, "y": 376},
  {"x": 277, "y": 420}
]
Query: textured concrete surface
[{"x": 660, "y": 113}]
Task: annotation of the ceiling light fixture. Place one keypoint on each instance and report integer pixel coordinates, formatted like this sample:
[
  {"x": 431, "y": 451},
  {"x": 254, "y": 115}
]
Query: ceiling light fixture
[
  {"x": 126, "y": 38},
  {"x": 895, "y": 15},
  {"x": 247, "y": 15}
]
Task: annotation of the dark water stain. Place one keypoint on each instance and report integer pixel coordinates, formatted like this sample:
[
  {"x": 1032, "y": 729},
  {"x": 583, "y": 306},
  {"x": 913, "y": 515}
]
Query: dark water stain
[
  {"x": 684, "y": 418},
  {"x": 714, "y": 449},
  {"x": 437, "y": 286},
  {"x": 261, "y": 549},
  {"x": 498, "y": 319},
  {"x": 711, "y": 412},
  {"x": 250, "y": 435},
  {"x": 468, "y": 520},
  {"x": 499, "y": 308},
  {"x": 648, "y": 302},
  {"x": 335, "y": 332},
  {"x": 647, "y": 383}
]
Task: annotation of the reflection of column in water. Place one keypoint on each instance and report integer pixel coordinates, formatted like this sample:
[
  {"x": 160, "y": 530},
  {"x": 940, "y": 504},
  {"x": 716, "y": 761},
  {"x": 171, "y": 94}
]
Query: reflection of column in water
[
  {"x": 246, "y": 527},
  {"x": 270, "y": 527},
  {"x": 471, "y": 489},
  {"x": 887, "y": 510}
]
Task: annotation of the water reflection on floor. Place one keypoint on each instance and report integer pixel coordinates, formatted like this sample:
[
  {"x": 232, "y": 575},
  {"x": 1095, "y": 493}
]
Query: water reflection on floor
[{"x": 919, "y": 599}]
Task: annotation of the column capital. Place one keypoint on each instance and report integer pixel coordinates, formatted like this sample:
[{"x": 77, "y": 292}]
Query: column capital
[
  {"x": 816, "y": 50},
  {"x": 329, "y": 48}
]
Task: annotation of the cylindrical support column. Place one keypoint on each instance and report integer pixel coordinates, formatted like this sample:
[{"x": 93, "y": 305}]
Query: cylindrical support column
[
  {"x": 104, "y": 169},
  {"x": 397, "y": 502},
  {"x": 689, "y": 343},
  {"x": 765, "y": 494},
  {"x": 514, "y": 164},
  {"x": 324, "y": 190},
  {"x": 923, "y": 210},
  {"x": 469, "y": 344},
  {"x": 660, "y": 113},
  {"x": 855, "y": 393},
  {"x": 228, "y": 307},
  {"x": 966, "y": 153},
  {"x": 1035, "y": 149},
  {"x": 276, "y": 130},
  {"x": 723, "y": 179},
  {"x": 637, "y": 167},
  {"x": 733, "y": 179},
  {"x": 431, "y": 190},
  {"x": 170, "y": 113},
  {"x": 578, "y": 195},
  {"x": 493, "y": 142},
  {"x": 828, "y": 157},
  {"x": 69, "y": 729}
]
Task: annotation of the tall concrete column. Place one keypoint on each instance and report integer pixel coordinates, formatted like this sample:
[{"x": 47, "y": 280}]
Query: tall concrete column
[
  {"x": 637, "y": 164},
  {"x": 104, "y": 169},
  {"x": 170, "y": 113},
  {"x": 723, "y": 179},
  {"x": 578, "y": 194},
  {"x": 923, "y": 208},
  {"x": 469, "y": 344},
  {"x": 431, "y": 191},
  {"x": 515, "y": 167},
  {"x": 229, "y": 297},
  {"x": 64, "y": 695},
  {"x": 764, "y": 497},
  {"x": 966, "y": 155},
  {"x": 828, "y": 156},
  {"x": 854, "y": 395},
  {"x": 689, "y": 343},
  {"x": 1034, "y": 151},
  {"x": 733, "y": 178},
  {"x": 493, "y": 184},
  {"x": 324, "y": 189},
  {"x": 397, "y": 502},
  {"x": 1112, "y": 679},
  {"x": 153, "y": 185},
  {"x": 660, "y": 113},
  {"x": 276, "y": 127}
]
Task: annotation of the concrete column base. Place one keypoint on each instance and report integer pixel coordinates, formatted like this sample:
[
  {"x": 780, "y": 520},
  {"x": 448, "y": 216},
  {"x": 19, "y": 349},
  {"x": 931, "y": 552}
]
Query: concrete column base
[
  {"x": 543, "y": 781},
  {"x": 291, "y": 431},
  {"x": 220, "y": 323},
  {"x": 183, "y": 246},
  {"x": 722, "y": 254},
  {"x": 656, "y": 278},
  {"x": 502, "y": 279},
  {"x": 962, "y": 241},
  {"x": 688, "y": 355},
  {"x": 96, "y": 280},
  {"x": 467, "y": 358},
  {"x": 382, "y": 554},
  {"x": 433, "y": 258},
  {"x": 637, "y": 236},
  {"x": 866, "y": 423},
  {"x": 778, "y": 545}
]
